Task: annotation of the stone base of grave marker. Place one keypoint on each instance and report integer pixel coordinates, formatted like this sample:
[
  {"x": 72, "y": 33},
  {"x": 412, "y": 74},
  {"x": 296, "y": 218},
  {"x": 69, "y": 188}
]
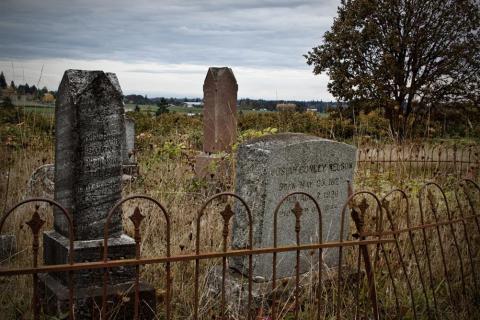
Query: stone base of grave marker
[
  {"x": 236, "y": 288},
  {"x": 56, "y": 250},
  {"x": 88, "y": 283},
  {"x": 88, "y": 301},
  {"x": 7, "y": 246},
  {"x": 210, "y": 166}
]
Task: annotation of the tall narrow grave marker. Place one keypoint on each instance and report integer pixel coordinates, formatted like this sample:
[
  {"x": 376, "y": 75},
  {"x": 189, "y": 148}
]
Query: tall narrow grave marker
[
  {"x": 89, "y": 132},
  {"x": 219, "y": 110}
]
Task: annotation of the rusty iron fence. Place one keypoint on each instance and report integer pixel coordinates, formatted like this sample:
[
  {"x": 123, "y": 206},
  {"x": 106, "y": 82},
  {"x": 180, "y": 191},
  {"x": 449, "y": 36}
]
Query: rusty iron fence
[
  {"x": 402, "y": 257},
  {"x": 420, "y": 160}
]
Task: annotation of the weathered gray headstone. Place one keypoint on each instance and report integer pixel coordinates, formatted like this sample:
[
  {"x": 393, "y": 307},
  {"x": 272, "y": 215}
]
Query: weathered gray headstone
[
  {"x": 130, "y": 166},
  {"x": 89, "y": 128},
  {"x": 89, "y": 132},
  {"x": 41, "y": 182},
  {"x": 129, "y": 153},
  {"x": 270, "y": 167}
]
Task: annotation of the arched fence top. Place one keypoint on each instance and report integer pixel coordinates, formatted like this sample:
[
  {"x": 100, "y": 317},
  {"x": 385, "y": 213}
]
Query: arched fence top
[
  {"x": 71, "y": 235},
  {"x": 473, "y": 183},
  {"x": 425, "y": 188},
  {"x": 404, "y": 197},
  {"x": 115, "y": 208},
  {"x": 349, "y": 200},
  {"x": 227, "y": 214},
  {"x": 297, "y": 216}
]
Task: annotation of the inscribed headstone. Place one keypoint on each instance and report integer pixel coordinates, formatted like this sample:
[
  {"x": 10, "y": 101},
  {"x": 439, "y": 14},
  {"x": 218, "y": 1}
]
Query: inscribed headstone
[
  {"x": 270, "y": 167},
  {"x": 128, "y": 156},
  {"x": 89, "y": 124}
]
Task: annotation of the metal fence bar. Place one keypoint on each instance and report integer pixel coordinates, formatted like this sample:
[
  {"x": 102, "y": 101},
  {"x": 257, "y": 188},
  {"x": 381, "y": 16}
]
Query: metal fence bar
[
  {"x": 467, "y": 239},
  {"x": 393, "y": 227},
  {"x": 226, "y": 214},
  {"x": 136, "y": 219},
  {"x": 370, "y": 276},
  {"x": 428, "y": 159},
  {"x": 358, "y": 218},
  {"x": 35, "y": 223},
  {"x": 442, "y": 227},
  {"x": 183, "y": 258},
  {"x": 429, "y": 263},
  {"x": 297, "y": 211}
]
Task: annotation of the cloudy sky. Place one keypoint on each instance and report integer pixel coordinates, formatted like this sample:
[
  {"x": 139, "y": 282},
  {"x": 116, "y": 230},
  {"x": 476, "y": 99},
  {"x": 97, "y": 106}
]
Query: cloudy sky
[{"x": 164, "y": 48}]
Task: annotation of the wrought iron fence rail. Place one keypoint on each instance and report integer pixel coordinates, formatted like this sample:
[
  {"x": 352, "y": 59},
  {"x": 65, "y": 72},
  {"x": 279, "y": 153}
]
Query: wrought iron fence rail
[
  {"x": 184, "y": 257},
  {"x": 380, "y": 236}
]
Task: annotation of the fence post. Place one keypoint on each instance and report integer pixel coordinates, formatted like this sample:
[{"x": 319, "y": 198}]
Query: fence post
[{"x": 359, "y": 223}]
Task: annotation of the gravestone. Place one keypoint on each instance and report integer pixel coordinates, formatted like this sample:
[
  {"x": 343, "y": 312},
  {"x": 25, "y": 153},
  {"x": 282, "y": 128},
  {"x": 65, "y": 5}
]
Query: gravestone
[
  {"x": 130, "y": 166},
  {"x": 129, "y": 153},
  {"x": 219, "y": 122},
  {"x": 42, "y": 180},
  {"x": 270, "y": 167},
  {"x": 89, "y": 132},
  {"x": 219, "y": 110},
  {"x": 88, "y": 161}
]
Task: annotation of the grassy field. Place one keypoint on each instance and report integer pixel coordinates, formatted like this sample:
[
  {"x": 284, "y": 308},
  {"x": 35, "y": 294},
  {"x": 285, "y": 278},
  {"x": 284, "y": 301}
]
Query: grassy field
[
  {"x": 46, "y": 110},
  {"x": 50, "y": 109},
  {"x": 166, "y": 151},
  {"x": 153, "y": 108},
  {"x": 20, "y": 103}
]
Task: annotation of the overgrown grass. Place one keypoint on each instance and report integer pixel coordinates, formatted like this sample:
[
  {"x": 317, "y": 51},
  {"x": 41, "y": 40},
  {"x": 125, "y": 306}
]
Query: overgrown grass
[{"x": 167, "y": 147}]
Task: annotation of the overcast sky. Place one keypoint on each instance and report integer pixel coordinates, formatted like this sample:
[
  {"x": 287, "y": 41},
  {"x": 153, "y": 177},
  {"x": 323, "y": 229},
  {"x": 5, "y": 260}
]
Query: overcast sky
[{"x": 164, "y": 48}]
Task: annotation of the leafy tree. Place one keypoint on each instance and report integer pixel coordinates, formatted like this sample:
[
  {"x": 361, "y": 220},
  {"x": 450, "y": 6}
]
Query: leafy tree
[
  {"x": 137, "y": 108},
  {"x": 23, "y": 89},
  {"x": 42, "y": 91},
  {"x": 406, "y": 56},
  {"x": 136, "y": 99},
  {"x": 48, "y": 98},
  {"x": 33, "y": 90},
  {"x": 3, "y": 82},
  {"x": 162, "y": 107}
]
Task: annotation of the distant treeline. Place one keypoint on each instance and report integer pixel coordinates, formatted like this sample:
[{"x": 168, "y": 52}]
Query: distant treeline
[
  {"x": 243, "y": 104},
  {"x": 11, "y": 91},
  {"x": 260, "y": 104},
  {"x": 139, "y": 99}
]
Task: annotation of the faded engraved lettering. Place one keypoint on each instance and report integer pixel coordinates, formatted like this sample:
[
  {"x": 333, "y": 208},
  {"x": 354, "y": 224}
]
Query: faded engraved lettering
[{"x": 311, "y": 169}]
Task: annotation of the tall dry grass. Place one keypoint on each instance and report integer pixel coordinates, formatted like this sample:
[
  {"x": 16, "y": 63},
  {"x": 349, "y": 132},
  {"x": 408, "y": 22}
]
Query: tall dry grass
[{"x": 166, "y": 158}]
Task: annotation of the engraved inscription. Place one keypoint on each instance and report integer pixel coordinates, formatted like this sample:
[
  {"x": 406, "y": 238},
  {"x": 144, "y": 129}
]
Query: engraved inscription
[
  {"x": 312, "y": 168},
  {"x": 272, "y": 167},
  {"x": 88, "y": 161},
  {"x": 312, "y": 177}
]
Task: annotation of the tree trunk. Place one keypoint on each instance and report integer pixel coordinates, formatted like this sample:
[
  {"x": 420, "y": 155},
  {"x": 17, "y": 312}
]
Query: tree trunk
[{"x": 389, "y": 115}]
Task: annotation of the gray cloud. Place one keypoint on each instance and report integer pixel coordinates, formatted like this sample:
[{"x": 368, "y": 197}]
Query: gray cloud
[{"x": 268, "y": 33}]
